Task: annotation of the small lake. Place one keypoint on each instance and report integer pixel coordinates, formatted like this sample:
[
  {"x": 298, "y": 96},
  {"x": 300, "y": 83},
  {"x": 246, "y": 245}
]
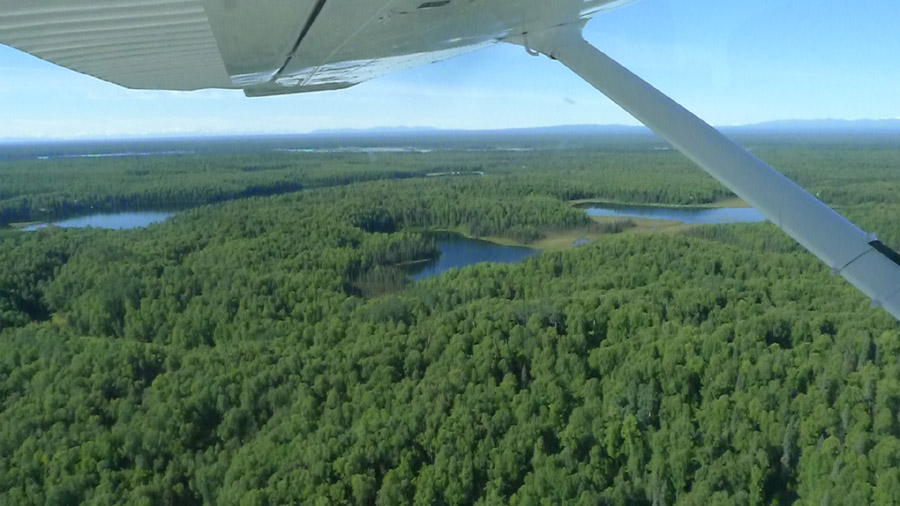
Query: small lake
[
  {"x": 114, "y": 221},
  {"x": 126, "y": 154},
  {"x": 683, "y": 214},
  {"x": 458, "y": 251}
]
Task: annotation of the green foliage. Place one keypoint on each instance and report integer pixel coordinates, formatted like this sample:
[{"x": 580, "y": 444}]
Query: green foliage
[
  {"x": 27, "y": 263},
  {"x": 267, "y": 351}
]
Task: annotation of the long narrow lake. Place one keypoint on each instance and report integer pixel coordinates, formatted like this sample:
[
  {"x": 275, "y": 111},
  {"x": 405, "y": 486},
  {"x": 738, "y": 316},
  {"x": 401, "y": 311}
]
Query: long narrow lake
[
  {"x": 683, "y": 214},
  {"x": 114, "y": 221},
  {"x": 458, "y": 251}
]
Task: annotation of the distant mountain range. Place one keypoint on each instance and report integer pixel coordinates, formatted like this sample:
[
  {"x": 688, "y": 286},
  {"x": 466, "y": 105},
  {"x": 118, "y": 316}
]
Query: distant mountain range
[
  {"x": 825, "y": 125},
  {"x": 375, "y": 130},
  {"x": 865, "y": 126}
]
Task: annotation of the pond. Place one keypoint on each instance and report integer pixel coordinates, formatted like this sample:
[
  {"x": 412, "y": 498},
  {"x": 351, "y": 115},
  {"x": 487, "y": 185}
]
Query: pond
[
  {"x": 683, "y": 214},
  {"x": 114, "y": 221},
  {"x": 458, "y": 251}
]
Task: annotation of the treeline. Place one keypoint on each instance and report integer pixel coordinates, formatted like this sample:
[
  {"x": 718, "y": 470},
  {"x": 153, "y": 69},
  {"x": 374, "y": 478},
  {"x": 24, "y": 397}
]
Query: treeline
[
  {"x": 258, "y": 352},
  {"x": 51, "y": 189},
  {"x": 56, "y": 188},
  {"x": 639, "y": 170},
  {"x": 489, "y": 206}
]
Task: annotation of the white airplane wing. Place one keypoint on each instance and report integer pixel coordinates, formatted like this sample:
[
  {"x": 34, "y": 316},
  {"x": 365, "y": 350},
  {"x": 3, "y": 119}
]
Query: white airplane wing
[
  {"x": 268, "y": 47},
  {"x": 149, "y": 44}
]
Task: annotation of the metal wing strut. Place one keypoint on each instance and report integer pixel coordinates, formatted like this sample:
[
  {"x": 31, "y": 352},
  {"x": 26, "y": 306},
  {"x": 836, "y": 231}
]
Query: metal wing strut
[{"x": 859, "y": 257}]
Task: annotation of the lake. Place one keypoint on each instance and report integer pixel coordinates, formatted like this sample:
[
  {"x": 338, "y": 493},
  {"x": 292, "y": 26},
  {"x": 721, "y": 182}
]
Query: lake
[
  {"x": 126, "y": 154},
  {"x": 458, "y": 251},
  {"x": 114, "y": 221},
  {"x": 682, "y": 214}
]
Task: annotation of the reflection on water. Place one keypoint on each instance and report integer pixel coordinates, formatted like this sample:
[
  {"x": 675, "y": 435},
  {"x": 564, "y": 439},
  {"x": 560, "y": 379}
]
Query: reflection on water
[
  {"x": 116, "y": 221},
  {"x": 458, "y": 251},
  {"x": 682, "y": 214}
]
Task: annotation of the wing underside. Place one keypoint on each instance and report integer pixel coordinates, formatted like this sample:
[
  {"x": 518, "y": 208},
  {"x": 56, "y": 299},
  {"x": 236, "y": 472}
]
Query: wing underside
[
  {"x": 267, "y": 47},
  {"x": 135, "y": 43}
]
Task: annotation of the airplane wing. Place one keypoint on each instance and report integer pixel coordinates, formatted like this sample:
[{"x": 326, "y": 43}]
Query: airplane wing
[
  {"x": 268, "y": 47},
  {"x": 133, "y": 43}
]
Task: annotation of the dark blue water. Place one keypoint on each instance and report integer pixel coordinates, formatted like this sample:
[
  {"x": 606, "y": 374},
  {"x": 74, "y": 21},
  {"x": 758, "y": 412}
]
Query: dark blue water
[
  {"x": 458, "y": 251},
  {"x": 682, "y": 214},
  {"x": 117, "y": 221}
]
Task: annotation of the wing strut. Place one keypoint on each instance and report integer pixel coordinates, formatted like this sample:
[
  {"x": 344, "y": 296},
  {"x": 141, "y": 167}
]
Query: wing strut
[{"x": 848, "y": 250}]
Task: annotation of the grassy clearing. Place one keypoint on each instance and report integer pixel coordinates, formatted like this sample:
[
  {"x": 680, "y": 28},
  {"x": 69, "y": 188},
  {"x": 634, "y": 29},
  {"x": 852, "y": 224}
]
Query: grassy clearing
[
  {"x": 566, "y": 239},
  {"x": 24, "y": 224}
]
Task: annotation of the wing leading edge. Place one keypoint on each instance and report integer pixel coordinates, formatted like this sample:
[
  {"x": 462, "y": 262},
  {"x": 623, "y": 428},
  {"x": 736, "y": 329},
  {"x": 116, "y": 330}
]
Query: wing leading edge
[{"x": 267, "y": 47}]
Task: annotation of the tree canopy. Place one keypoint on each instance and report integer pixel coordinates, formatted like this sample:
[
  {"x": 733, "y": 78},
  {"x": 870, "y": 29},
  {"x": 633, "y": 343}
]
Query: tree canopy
[{"x": 266, "y": 351}]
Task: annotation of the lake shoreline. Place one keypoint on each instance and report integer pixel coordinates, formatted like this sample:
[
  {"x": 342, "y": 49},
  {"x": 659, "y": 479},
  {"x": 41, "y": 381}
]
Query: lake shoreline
[
  {"x": 108, "y": 221},
  {"x": 731, "y": 202},
  {"x": 460, "y": 250}
]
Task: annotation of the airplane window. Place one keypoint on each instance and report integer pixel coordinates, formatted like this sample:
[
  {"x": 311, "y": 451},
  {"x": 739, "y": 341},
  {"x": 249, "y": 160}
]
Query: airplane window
[{"x": 449, "y": 252}]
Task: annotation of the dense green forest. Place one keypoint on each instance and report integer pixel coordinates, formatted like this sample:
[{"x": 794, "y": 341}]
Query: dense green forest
[{"x": 267, "y": 349}]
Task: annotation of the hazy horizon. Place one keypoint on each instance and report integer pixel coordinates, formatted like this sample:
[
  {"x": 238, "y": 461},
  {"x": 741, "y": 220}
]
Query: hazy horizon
[
  {"x": 824, "y": 126},
  {"x": 730, "y": 63}
]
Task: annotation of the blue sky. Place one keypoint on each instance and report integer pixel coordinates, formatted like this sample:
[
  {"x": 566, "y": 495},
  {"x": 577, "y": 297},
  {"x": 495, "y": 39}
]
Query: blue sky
[{"x": 730, "y": 62}]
